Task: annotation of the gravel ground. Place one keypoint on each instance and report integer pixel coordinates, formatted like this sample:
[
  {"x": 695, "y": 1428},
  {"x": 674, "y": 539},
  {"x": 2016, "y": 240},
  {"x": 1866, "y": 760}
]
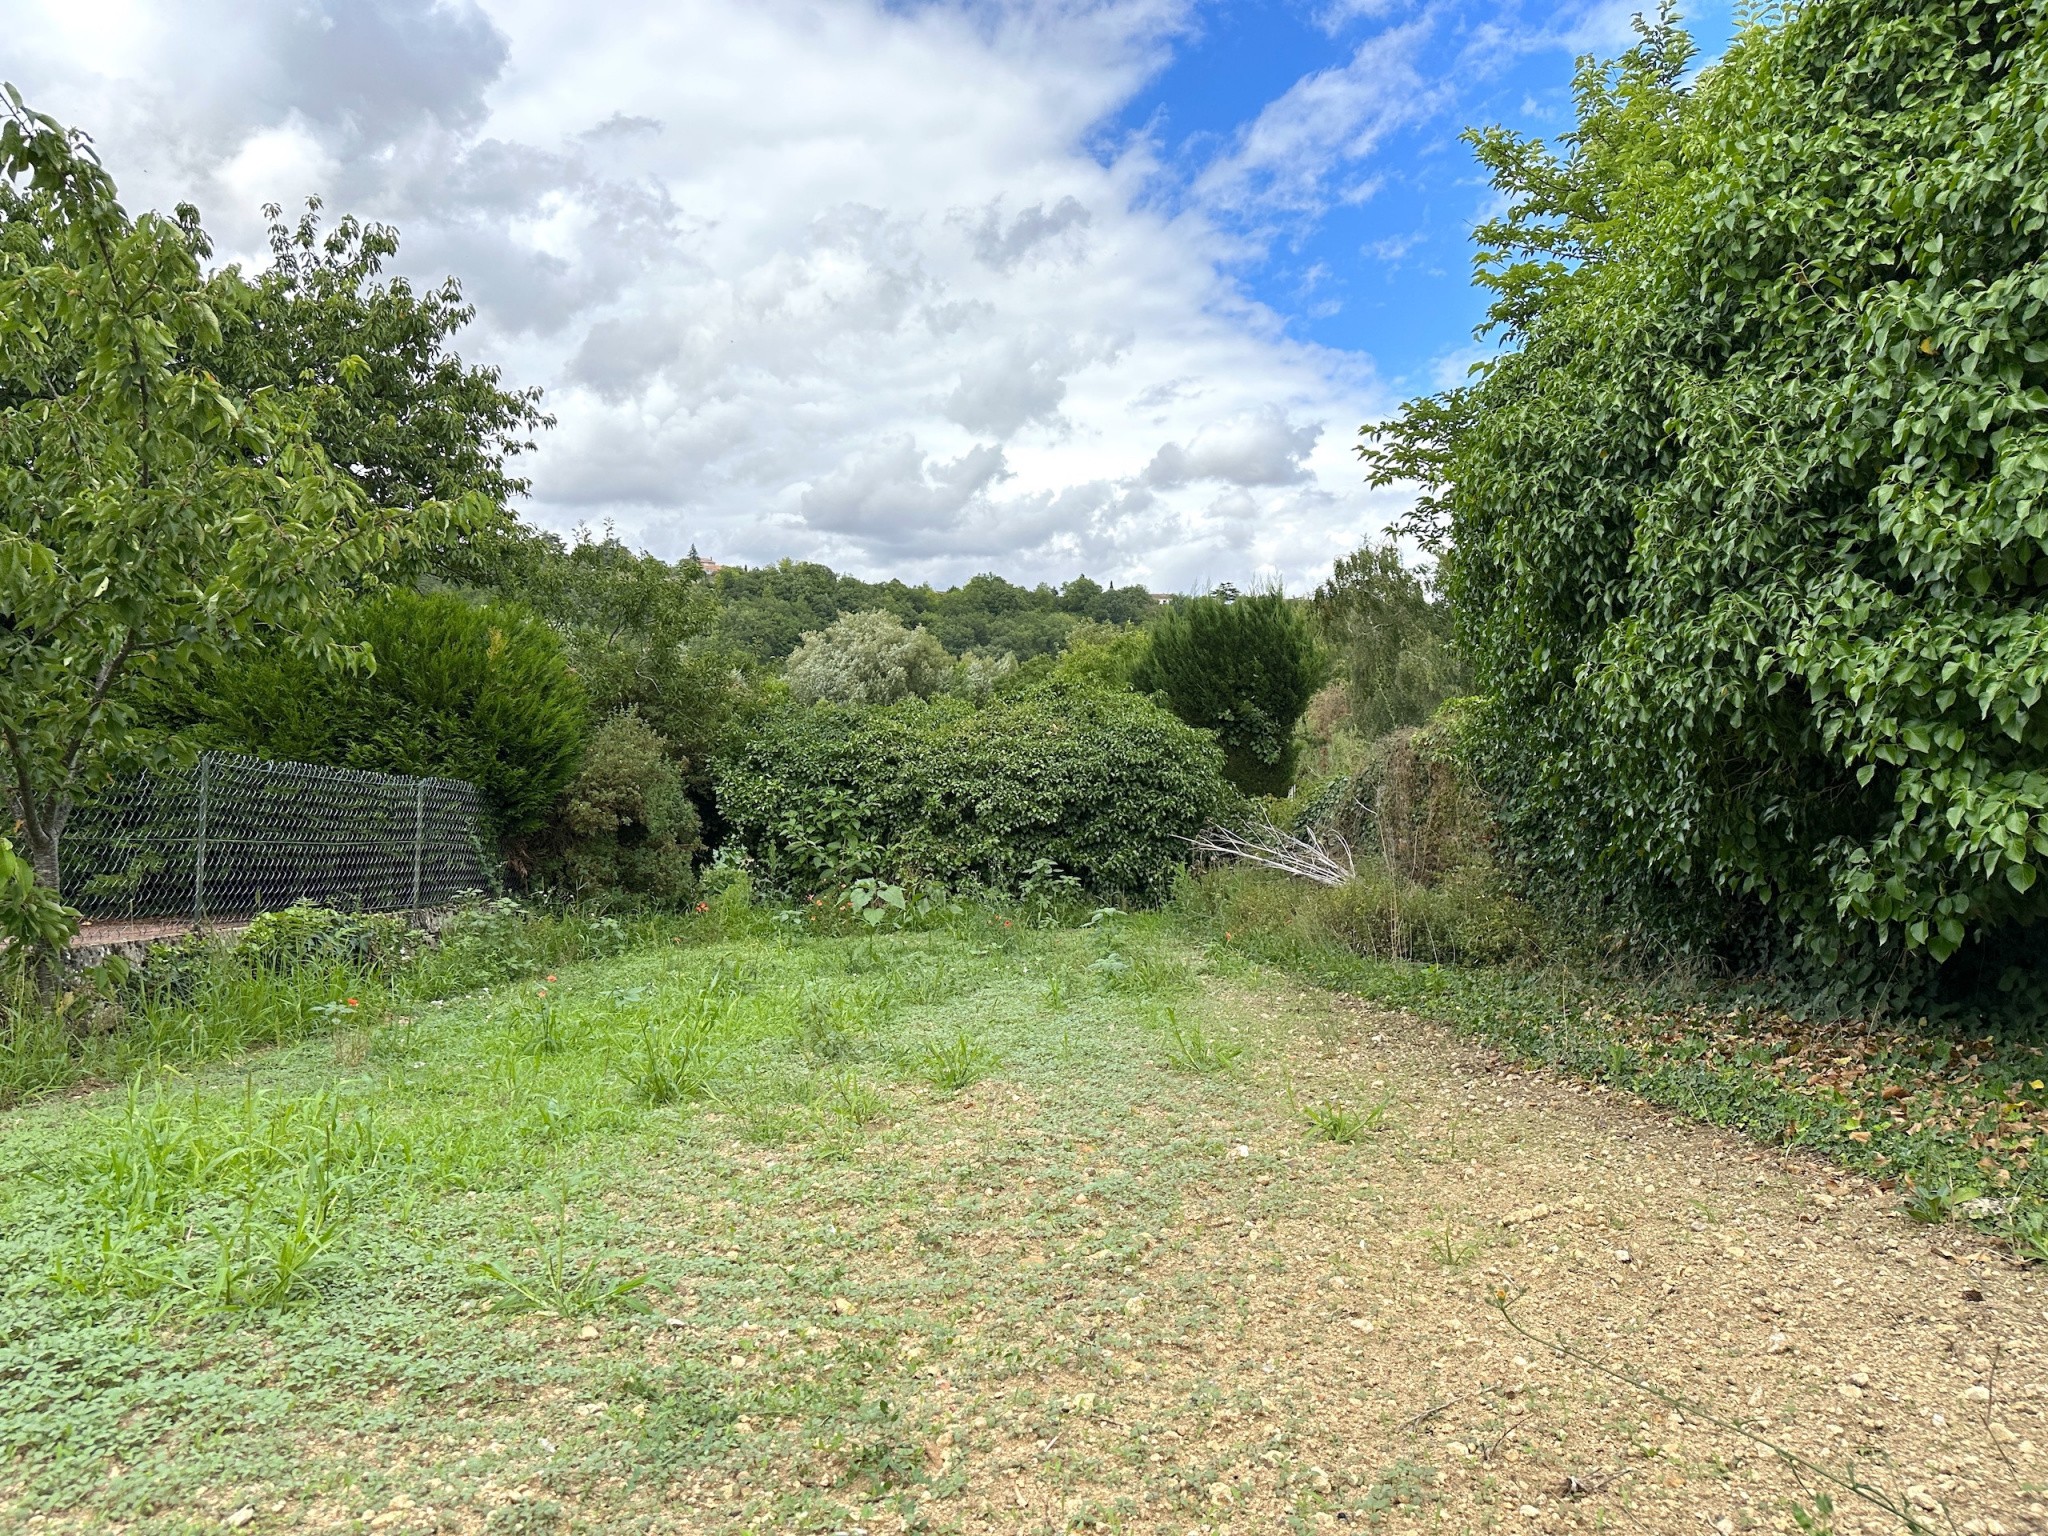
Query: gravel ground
[{"x": 1364, "y": 1371}]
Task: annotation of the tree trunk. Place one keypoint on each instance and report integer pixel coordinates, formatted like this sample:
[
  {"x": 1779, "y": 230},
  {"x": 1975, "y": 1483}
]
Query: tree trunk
[{"x": 44, "y": 835}]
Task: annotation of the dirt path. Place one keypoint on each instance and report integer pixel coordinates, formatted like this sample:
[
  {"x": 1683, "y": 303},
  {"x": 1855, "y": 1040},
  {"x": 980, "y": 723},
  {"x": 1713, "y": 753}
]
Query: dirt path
[{"x": 1316, "y": 1338}]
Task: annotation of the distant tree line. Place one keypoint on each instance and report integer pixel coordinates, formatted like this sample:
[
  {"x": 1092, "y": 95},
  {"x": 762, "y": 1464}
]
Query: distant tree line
[{"x": 767, "y": 611}]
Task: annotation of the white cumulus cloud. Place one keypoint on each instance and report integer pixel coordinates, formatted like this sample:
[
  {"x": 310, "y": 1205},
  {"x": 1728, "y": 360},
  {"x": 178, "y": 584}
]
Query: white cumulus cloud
[{"x": 828, "y": 279}]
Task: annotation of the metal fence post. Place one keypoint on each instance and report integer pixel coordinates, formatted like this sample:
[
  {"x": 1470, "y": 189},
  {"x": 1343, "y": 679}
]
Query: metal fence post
[
  {"x": 419, "y": 843},
  {"x": 199, "y": 845}
]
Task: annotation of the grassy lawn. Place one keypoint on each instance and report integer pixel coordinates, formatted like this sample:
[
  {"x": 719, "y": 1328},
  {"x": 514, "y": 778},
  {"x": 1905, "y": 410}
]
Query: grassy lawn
[
  {"x": 975, "y": 1229},
  {"x": 679, "y": 1215}
]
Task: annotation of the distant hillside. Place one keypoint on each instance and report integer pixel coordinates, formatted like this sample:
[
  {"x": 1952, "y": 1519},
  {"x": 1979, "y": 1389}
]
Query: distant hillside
[{"x": 766, "y": 611}]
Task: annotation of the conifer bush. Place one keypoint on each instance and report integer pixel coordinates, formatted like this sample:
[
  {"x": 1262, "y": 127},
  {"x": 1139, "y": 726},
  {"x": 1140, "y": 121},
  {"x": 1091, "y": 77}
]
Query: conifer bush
[
  {"x": 449, "y": 689},
  {"x": 1245, "y": 668}
]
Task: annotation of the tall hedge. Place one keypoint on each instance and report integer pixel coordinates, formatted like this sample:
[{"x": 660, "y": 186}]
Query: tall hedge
[
  {"x": 1747, "y": 529},
  {"x": 459, "y": 690},
  {"x": 1102, "y": 784}
]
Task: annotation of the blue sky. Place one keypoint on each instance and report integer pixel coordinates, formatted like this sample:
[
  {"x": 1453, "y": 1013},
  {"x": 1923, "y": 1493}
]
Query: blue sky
[
  {"x": 915, "y": 287},
  {"x": 1379, "y": 262}
]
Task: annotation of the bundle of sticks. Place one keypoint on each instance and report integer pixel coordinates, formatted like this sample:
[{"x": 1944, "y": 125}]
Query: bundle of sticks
[{"x": 1322, "y": 857}]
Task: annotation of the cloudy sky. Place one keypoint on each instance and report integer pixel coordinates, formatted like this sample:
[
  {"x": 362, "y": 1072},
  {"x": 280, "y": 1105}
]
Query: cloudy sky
[{"x": 919, "y": 289}]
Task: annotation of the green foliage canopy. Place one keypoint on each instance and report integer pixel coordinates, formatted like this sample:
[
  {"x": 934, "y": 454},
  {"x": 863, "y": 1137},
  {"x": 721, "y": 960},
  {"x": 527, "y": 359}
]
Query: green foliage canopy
[
  {"x": 1390, "y": 638},
  {"x": 370, "y": 359},
  {"x": 1102, "y": 784},
  {"x": 151, "y": 518},
  {"x": 1747, "y": 535},
  {"x": 867, "y": 658},
  {"x": 459, "y": 690},
  {"x": 1245, "y": 669}
]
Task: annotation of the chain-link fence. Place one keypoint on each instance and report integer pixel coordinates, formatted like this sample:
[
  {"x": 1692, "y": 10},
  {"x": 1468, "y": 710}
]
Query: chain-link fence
[{"x": 235, "y": 836}]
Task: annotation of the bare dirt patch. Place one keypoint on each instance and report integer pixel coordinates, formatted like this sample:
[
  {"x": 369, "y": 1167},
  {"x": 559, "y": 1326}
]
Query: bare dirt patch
[{"x": 1318, "y": 1339}]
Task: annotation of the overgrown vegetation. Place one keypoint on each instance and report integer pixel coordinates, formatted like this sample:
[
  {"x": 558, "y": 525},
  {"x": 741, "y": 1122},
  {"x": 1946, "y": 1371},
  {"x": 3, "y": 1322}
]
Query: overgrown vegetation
[
  {"x": 1744, "y": 531},
  {"x": 1391, "y": 639},
  {"x": 301, "y": 972}
]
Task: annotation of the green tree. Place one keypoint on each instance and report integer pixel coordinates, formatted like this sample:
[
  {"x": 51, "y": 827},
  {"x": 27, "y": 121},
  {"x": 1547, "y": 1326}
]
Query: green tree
[
  {"x": 1105, "y": 786},
  {"x": 152, "y": 519},
  {"x": 1245, "y": 669},
  {"x": 867, "y": 658},
  {"x": 1746, "y": 532},
  {"x": 454, "y": 689},
  {"x": 1390, "y": 638},
  {"x": 371, "y": 361},
  {"x": 643, "y": 635}
]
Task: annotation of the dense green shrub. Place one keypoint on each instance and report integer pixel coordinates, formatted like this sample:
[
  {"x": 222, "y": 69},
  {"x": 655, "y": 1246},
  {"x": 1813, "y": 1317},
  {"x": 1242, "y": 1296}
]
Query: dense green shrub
[
  {"x": 1244, "y": 668},
  {"x": 1103, "y": 785},
  {"x": 1748, "y": 533},
  {"x": 295, "y": 938},
  {"x": 459, "y": 690},
  {"x": 625, "y": 823},
  {"x": 867, "y": 658},
  {"x": 1100, "y": 656}
]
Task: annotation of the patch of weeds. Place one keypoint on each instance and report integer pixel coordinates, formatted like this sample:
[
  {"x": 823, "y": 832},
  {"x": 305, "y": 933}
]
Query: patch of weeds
[
  {"x": 1448, "y": 1249},
  {"x": 690, "y": 1415},
  {"x": 527, "y": 1517},
  {"x": 854, "y": 1101},
  {"x": 825, "y": 1031},
  {"x": 2028, "y": 1234},
  {"x": 672, "y": 1066},
  {"x": 1935, "y": 1204},
  {"x": 772, "y": 1127},
  {"x": 1109, "y": 968},
  {"x": 1190, "y": 1049},
  {"x": 228, "y": 1203},
  {"x": 559, "y": 1286},
  {"x": 1142, "y": 976},
  {"x": 544, "y": 1031},
  {"x": 1333, "y": 1122},
  {"x": 1047, "y": 896},
  {"x": 925, "y": 980},
  {"x": 1339, "y": 1123},
  {"x": 1401, "y": 1484},
  {"x": 955, "y": 1062},
  {"x": 875, "y": 1443}
]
